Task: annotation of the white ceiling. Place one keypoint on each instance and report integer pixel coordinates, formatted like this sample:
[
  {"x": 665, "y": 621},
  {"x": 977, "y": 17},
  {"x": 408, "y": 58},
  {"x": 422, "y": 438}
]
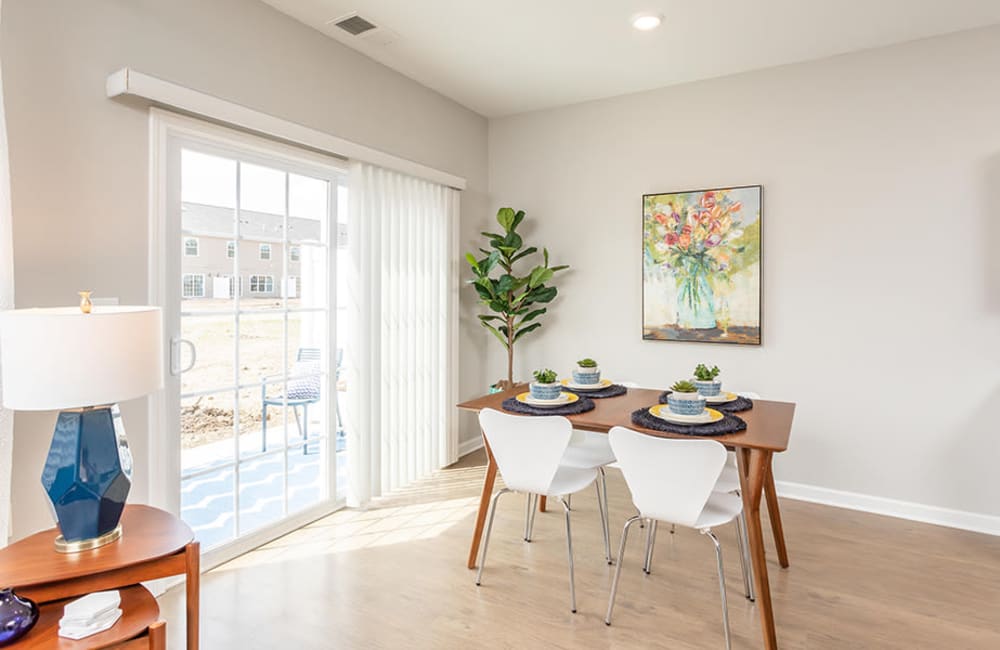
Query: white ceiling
[{"x": 503, "y": 57}]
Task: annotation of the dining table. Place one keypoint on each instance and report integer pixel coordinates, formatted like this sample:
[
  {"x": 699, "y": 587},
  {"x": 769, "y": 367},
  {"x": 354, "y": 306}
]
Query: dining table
[{"x": 769, "y": 428}]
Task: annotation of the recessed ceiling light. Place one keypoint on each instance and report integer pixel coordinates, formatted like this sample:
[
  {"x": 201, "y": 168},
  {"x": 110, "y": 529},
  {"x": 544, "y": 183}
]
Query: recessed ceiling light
[{"x": 646, "y": 22}]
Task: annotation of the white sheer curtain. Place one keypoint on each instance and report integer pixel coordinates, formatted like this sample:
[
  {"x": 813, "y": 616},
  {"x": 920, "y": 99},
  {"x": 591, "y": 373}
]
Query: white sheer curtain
[
  {"x": 6, "y": 302},
  {"x": 402, "y": 292}
]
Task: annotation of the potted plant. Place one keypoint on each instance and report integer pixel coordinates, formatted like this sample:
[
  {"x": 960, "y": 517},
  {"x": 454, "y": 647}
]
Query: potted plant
[
  {"x": 545, "y": 385},
  {"x": 512, "y": 299},
  {"x": 586, "y": 372},
  {"x": 685, "y": 399},
  {"x": 705, "y": 380}
]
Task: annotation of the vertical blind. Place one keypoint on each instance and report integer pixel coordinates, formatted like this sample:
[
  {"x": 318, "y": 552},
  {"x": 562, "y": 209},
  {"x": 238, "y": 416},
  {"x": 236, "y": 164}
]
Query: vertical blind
[{"x": 401, "y": 307}]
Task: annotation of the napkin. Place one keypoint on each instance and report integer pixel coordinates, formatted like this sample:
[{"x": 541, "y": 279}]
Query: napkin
[{"x": 89, "y": 615}]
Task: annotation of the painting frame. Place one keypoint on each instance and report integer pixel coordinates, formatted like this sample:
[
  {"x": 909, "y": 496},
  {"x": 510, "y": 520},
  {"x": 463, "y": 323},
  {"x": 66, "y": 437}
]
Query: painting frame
[{"x": 752, "y": 335}]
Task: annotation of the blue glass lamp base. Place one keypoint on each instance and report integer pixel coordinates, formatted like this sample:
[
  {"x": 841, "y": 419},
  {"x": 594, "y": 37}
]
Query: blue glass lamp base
[{"x": 88, "y": 475}]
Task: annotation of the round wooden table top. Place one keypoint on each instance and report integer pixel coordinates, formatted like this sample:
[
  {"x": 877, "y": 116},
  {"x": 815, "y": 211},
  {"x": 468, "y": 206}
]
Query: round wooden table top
[
  {"x": 147, "y": 533},
  {"x": 139, "y": 611}
]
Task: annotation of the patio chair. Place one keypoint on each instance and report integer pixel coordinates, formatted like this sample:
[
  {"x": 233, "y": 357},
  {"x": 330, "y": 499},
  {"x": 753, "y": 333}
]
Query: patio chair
[{"x": 303, "y": 389}]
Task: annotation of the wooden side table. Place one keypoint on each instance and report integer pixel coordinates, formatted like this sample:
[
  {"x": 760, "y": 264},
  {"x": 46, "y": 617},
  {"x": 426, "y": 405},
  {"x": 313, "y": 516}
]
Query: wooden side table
[
  {"x": 139, "y": 613},
  {"x": 154, "y": 544}
]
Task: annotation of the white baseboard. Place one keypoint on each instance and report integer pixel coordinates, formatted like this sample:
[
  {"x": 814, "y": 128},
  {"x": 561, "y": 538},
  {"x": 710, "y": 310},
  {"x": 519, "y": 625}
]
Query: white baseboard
[
  {"x": 989, "y": 524},
  {"x": 469, "y": 446}
]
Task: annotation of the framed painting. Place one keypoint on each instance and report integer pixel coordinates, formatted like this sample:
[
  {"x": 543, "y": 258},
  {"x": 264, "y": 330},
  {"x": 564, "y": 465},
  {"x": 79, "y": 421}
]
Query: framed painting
[{"x": 701, "y": 272}]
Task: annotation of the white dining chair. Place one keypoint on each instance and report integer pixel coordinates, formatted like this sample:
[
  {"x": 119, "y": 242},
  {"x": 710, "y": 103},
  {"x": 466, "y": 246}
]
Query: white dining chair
[
  {"x": 729, "y": 482},
  {"x": 673, "y": 481},
  {"x": 528, "y": 452}
]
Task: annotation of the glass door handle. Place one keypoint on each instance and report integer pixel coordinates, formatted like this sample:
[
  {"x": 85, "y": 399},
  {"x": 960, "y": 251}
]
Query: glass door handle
[{"x": 175, "y": 356}]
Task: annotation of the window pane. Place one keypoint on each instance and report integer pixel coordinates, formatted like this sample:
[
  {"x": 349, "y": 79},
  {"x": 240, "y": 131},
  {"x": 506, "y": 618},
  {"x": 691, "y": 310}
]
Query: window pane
[
  {"x": 307, "y": 209},
  {"x": 207, "y": 431},
  {"x": 207, "y": 180},
  {"x": 262, "y": 190},
  {"x": 213, "y": 339}
]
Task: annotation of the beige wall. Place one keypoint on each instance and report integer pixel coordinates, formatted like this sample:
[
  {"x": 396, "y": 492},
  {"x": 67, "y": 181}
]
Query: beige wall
[
  {"x": 881, "y": 173},
  {"x": 79, "y": 160}
]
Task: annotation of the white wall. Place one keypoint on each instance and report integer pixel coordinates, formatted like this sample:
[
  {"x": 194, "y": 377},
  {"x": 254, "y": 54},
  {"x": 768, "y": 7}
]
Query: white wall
[
  {"x": 79, "y": 160},
  {"x": 881, "y": 172}
]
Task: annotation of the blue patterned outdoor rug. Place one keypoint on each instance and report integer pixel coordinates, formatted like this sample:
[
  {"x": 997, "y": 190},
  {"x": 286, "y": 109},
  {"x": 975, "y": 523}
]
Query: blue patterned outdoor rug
[
  {"x": 728, "y": 424},
  {"x": 614, "y": 390},
  {"x": 582, "y": 405},
  {"x": 738, "y": 405}
]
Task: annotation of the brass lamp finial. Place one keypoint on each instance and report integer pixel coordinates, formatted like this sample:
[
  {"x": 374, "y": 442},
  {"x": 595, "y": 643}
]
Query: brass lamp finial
[{"x": 85, "y": 304}]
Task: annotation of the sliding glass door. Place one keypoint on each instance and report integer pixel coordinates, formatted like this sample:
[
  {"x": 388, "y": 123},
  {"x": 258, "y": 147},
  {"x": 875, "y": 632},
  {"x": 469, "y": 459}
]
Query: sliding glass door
[{"x": 251, "y": 241}]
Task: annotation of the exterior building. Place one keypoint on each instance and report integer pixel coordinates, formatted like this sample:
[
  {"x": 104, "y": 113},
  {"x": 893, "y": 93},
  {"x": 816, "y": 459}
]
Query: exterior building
[{"x": 268, "y": 268}]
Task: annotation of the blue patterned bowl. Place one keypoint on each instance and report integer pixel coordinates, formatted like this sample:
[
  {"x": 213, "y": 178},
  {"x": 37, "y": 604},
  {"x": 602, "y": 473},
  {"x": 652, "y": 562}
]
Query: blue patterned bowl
[
  {"x": 588, "y": 376},
  {"x": 686, "y": 403},
  {"x": 708, "y": 388},
  {"x": 545, "y": 391}
]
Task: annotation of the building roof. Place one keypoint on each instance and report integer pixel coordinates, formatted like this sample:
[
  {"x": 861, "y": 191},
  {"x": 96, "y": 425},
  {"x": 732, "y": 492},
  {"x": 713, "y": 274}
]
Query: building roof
[{"x": 216, "y": 221}]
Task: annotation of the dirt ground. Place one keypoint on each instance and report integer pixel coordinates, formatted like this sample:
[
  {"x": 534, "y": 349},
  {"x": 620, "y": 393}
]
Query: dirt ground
[{"x": 208, "y": 418}]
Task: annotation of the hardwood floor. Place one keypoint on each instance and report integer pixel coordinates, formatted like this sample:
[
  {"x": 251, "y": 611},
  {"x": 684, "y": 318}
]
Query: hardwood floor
[{"x": 394, "y": 577}]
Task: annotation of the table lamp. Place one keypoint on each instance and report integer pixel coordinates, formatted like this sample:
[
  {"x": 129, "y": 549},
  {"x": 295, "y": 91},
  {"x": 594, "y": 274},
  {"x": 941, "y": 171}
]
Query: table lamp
[{"x": 83, "y": 360}]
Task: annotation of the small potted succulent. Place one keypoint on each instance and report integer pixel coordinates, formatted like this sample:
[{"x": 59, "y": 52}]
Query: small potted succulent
[
  {"x": 586, "y": 372},
  {"x": 545, "y": 385},
  {"x": 705, "y": 380},
  {"x": 685, "y": 399}
]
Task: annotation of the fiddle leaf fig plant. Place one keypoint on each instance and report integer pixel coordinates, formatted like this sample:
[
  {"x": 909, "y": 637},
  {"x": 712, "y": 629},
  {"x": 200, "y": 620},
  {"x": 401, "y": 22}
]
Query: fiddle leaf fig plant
[{"x": 512, "y": 298}]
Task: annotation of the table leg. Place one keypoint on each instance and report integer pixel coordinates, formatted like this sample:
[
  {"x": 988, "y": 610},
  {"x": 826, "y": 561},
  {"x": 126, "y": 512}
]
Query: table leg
[
  {"x": 754, "y": 465},
  {"x": 541, "y": 504},
  {"x": 484, "y": 505},
  {"x": 774, "y": 514},
  {"x": 192, "y": 559}
]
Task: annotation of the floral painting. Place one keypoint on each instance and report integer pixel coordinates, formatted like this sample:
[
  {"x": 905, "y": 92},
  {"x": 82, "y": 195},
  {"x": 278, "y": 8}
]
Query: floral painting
[{"x": 701, "y": 265}]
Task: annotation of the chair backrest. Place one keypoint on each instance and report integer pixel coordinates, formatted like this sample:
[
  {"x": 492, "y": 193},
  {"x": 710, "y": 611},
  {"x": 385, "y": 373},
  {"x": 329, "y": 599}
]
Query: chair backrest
[
  {"x": 527, "y": 449},
  {"x": 308, "y": 354},
  {"x": 670, "y": 480}
]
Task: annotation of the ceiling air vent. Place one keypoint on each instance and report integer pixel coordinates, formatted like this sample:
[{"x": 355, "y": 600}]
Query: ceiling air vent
[{"x": 354, "y": 25}]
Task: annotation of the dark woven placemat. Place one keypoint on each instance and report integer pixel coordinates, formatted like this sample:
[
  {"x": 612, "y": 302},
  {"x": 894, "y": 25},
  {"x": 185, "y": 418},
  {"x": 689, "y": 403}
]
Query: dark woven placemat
[
  {"x": 738, "y": 405},
  {"x": 614, "y": 390},
  {"x": 581, "y": 405},
  {"x": 728, "y": 424}
]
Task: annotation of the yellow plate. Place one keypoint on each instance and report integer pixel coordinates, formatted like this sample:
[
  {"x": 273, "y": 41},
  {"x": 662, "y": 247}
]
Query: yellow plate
[
  {"x": 604, "y": 383},
  {"x": 564, "y": 399},
  {"x": 661, "y": 411}
]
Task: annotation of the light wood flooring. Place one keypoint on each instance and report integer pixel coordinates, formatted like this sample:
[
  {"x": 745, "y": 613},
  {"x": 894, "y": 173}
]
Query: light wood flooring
[{"x": 394, "y": 576}]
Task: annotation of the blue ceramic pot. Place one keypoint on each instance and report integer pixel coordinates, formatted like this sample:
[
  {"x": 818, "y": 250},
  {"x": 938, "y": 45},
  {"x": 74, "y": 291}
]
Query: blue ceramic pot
[
  {"x": 17, "y": 616},
  {"x": 545, "y": 391},
  {"x": 588, "y": 376},
  {"x": 708, "y": 388},
  {"x": 686, "y": 403}
]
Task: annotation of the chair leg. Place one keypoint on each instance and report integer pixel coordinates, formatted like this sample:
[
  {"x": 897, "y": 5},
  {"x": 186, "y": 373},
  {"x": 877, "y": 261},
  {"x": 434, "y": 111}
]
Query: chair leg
[
  {"x": 486, "y": 537},
  {"x": 263, "y": 430},
  {"x": 650, "y": 542},
  {"x": 305, "y": 429},
  {"x": 744, "y": 550},
  {"x": 618, "y": 568},
  {"x": 569, "y": 501},
  {"x": 529, "y": 517},
  {"x": 722, "y": 586},
  {"x": 602, "y": 506},
  {"x": 569, "y": 551}
]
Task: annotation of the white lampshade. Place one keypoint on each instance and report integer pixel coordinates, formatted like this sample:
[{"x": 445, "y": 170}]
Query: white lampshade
[{"x": 61, "y": 358}]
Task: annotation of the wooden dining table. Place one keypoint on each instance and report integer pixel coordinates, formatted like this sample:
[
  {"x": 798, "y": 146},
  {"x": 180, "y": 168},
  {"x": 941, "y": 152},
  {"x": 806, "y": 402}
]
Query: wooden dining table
[{"x": 769, "y": 427}]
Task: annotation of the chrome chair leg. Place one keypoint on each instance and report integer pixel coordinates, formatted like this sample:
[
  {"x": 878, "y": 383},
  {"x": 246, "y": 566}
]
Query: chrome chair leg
[
  {"x": 650, "y": 541},
  {"x": 529, "y": 517},
  {"x": 569, "y": 501},
  {"x": 602, "y": 506},
  {"x": 569, "y": 550},
  {"x": 618, "y": 568},
  {"x": 744, "y": 550},
  {"x": 722, "y": 586},
  {"x": 486, "y": 537}
]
